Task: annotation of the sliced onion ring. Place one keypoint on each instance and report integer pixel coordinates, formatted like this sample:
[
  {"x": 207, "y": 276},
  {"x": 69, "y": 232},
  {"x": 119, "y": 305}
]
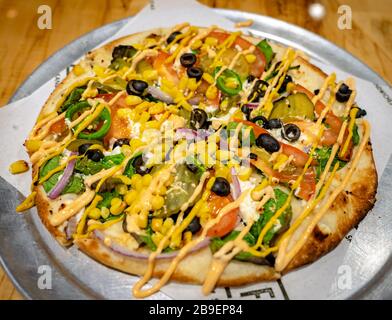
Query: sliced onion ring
[
  {"x": 144, "y": 256},
  {"x": 236, "y": 184},
  {"x": 159, "y": 94},
  {"x": 62, "y": 183}
]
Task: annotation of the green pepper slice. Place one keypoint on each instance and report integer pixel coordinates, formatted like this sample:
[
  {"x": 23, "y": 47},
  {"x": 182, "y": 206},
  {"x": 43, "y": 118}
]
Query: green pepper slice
[
  {"x": 224, "y": 77},
  {"x": 104, "y": 117},
  {"x": 266, "y": 50}
]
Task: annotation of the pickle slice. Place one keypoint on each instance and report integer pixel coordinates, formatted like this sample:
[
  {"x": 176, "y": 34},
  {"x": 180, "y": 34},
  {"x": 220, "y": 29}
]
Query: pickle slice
[{"x": 294, "y": 107}]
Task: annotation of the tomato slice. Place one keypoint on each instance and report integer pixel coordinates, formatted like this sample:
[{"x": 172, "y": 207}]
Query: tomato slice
[
  {"x": 308, "y": 183},
  {"x": 228, "y": 222},
  {"x": 58, "y": 127},
  {"x": 330, "y": 134},
  {"x": 165, "y": 70},
  {"x": 300, "y": 157},
  {"x": 258, "y": 66}
]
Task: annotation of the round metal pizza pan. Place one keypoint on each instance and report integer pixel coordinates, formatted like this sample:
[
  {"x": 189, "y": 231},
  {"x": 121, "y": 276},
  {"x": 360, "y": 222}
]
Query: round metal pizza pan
[{"x": 41, "y": 269}]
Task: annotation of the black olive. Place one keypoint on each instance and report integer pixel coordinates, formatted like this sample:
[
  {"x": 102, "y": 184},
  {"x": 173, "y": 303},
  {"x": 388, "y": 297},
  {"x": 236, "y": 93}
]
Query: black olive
[
  {"x": 250, "y": 78},
  {"x": 94, "y": 155},
  {"x": 268, "y": 142},
  {"x": 172, "y": 36},
  {"x": 188, "y": 60},
  {"x": 260, "y": 118},
  {"x": 136, "y": 87},
  {"x": 286, "y": 80},
  {"x": 198, "y": 119},
  {"x": 257, "y": 91},
  {"x": 344, "y": 93},
  {"x": 246, "y": 111},
  {"x": 123, "y": 51},
  {"x": 361, "y": 113},
  {"x": 140, "y": 168},
  {"x": 221, "y": 187},
  {"x": 192, "y": 167},
  {"x": 275, "y": 123},
  {"x": 84, "y": 147},
  {"x": 271, "y": 259},
  {"x": 291, "y": 132},
  {"x": 194, "y": 72},
  {"x": 121, "y": 142},
  {"x": 253, "y": 156},
  {"x": 194, "y": 226},
  {"x": 316, "y": 92}
]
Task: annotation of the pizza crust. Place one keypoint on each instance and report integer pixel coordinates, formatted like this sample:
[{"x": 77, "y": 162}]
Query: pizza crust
[{"x": 350, "y": 207}]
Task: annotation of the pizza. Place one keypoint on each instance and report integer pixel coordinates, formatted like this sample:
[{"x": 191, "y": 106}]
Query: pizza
[{"x": 201, "y": 155}]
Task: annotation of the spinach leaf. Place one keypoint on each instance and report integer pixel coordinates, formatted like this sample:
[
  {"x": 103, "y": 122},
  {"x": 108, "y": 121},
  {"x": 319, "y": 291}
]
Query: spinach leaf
[
  {"x": 75, "y": 184},
  {"x": 88, "y": 167},
  {"x": 129, "y": 170},
  {"x": 113, "y": 160},
  {"x": 356, "y": 137},
  {"x": 322, "y": 155},
  {"x": 107, "y": 198},
  {"x": 147, "y": 240},
  {"x": 270, "y": 208}
]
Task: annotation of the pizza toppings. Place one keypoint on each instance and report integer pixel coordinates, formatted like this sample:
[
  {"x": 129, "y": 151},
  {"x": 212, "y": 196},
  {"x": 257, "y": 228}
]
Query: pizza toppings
[{"x": 184, "y": 138}]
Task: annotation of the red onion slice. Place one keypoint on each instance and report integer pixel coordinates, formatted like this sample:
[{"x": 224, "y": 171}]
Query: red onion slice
[
  {"x": 186, "y": 133},
  {"x": 252, "y": 105},
  {"x": 61, "y": 184},
  {"x": 144, "y": 256},
  {"x": 159, "y": 94},
  {"x": 236, "y": 184}
]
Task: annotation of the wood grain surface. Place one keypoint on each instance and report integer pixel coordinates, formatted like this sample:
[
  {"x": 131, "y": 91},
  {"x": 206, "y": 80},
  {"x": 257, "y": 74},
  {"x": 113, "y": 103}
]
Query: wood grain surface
[{"x": 24, "y": 46}]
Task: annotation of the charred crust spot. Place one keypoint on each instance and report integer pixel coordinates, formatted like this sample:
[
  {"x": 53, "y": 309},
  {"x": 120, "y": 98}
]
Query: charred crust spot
[
  {"x": 102, "y": 61},
  {"x": 62, "y": 206},
  {"x": 318, "y": 234},
  {"x": 51, "y": 211}
]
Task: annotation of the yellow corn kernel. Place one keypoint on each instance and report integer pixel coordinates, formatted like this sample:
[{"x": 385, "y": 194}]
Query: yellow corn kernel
[
  {"x": 210, "y": 183},
  {"x": 282, "y": 158},
  {"x": 231, "y": 83},
  {"x": 290, "y": 87},
  {"x": 212, "y": 92},
  {"x": 33, "y": 145},
  {"x": 134, "y": 208},
  {"x": 222, "y": 171},
  {"x": 94, "y": 214},
  {"x": 157, "y": 238},
  {"x": 237, "y": 114},
  {"x": 250, "y": 58},
  {"x": 192, "y": 84},
  {"x": 124, "y": 113},
  {"x": 153, "y": 124},
  {"x": 150, "y": 75},
  {"x": 209, "y": 78},
  {"x": 125, "y": 180},
  {"x": 121, "y": 189},
  {"x": 162, "y": 190},
  {"x": 117, "y": 206},
  {"x": 137, "y": 181},
  {"x": 156, "y": 224},
  {"x": 99, "y": 71},
  {"x": 244, "y": 174},
  {"x": 28, "y": 203},
  {"x": 211, "y": 41},
  {"x": 78, "y": 70},
  {"x": 144, "y": 117},
  {"x": 132, "y": 100},
  {"x": 256, "y": 192},
  {"x": 130, "y": 196},
  {"x": 157, "y": 202},
  {"x": 167, "y": 225},
  {"x": 196, "y": 45},
  {"x": 156, "y": 108},
  {"x": 19, "y": 166},
  {"x": 142, "y": 219},
  {"x": 135, "y": 144},
  {"x": 187, "y": 236},
  {"x": 224, "y": 104},
  {"x": 105, "y": 212},
  {"x": 146, "y": 179}
]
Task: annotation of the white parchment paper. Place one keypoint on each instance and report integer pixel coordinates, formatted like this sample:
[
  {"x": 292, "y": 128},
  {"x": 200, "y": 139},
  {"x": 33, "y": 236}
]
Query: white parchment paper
[{"x": 318, "y": 281}]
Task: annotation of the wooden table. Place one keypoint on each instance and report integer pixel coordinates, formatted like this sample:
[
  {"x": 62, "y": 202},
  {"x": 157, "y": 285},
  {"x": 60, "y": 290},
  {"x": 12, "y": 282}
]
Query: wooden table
[{"x": 24, "y": 46}]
